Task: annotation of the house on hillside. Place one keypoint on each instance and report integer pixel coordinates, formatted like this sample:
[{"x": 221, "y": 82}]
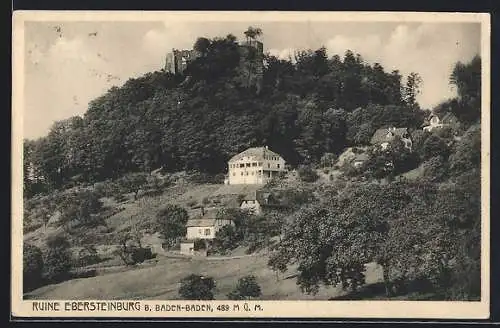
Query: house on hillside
[
  {"x": 383, "y": 137},
  {"x": 202, "y": 227},
  {"x": 360, "y": 159},
  {"x": 258, "y": 201},
  {"x": 257, "y": 165},
  {"x": 440, "y": 120}
]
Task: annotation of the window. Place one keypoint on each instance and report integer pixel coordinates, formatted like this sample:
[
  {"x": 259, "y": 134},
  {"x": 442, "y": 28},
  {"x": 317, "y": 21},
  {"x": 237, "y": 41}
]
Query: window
[
  {"x": 246, "y": 172},
  {"x": 234, "y": 173},
  {"x": 260, "y": 163},
  {"x": 207, "y": 232},
  {"x": 254, "y": 164},
  {"x": 260, "y": 173},
  {"x": 248, "y": 164},
  {"x": 242, "y": 165},
  {"x": 252, "y": 172},
  {"x": 241, "y": 173},
  {"x": 278, "y": 166},
  {"x": 200, "y": 231},
  {"x": 268, "y": 165}
]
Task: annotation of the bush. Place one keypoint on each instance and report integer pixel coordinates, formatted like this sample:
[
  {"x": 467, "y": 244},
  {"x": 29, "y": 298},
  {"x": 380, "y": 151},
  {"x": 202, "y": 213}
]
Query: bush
[
  {"x": 246, "y": 288},
  {"x": 435, "y": 169},
  {"x": 196, "y": 287},
  {"x": 226, "y": 239},
  {"x": 32, "y": 267},
  {"x": 57, "y": 260},
  {"x": 307, "y": 174},
  {"x": 434, "y": 146},
  {"x": 88, "y": 256}
]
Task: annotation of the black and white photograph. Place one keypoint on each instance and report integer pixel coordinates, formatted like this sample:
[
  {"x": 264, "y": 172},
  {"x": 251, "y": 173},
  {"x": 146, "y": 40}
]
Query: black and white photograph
[{"x": 213, "y": 160}]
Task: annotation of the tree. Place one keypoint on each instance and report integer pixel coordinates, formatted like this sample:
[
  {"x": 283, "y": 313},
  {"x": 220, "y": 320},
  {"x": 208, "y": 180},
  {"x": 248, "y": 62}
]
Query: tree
[
  {"x": 435, "y": 169},
  {"x": 133, "y": 182},
  {"x": 466, "y": 154},
  {"x": 331, "y": 242},
  {"x": 171, "y": 221},
  {"x": 196, "y": 287},
  {"x": 467, "y": 80},
  {"x": 246, "y": 288},
  {"x": 226, "y": 239},
  {"x": 32, "y": 267},
  {"x": 57, "y": 259},
  {"x": 434, "y": 146},
  {"x": 201, "y": 45},
  {"x": 412, "y": 89},
  {"x": 252, "y": 33},
  {"x": 307, "y": 174}
]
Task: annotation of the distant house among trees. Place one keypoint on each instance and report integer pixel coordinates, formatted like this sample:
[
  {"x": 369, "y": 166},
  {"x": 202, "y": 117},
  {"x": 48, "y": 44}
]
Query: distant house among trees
[
  {"x": 382, "y": 137},
  {"x": 257, "y": 165},
  {"x": 257, "y": 202},
  {"x": 440, "y": 120},
  {"x": 360, "y": 159}
]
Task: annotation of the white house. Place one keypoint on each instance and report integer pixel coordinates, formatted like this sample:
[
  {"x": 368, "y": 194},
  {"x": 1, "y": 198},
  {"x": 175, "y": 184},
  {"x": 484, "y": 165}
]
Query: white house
[
  {"x": 437, "y": 121},
  {"x": 202, "y": 227},
  {"x": 255, "y": 165}
]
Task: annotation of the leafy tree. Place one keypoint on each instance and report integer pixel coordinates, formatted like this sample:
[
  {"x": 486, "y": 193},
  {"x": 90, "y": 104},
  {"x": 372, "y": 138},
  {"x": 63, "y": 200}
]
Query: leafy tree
[
  {"x": 252, "y": 33},
  {"x": 467, "y": 152},
  {"x": 201, "y": 45},
  {"x": 57, "y": 259},
  {"x": 412, "y": 89},
  {"x": 434, "y": 146},
  {"x": 80, "y": 208},
  {"x": 331, "y": 242},
  {"x": 196, "y": 287},
  {"x": 32, "y": 267},
  {"x": 226, "y": 239},
  {"x": 171, "y": 221},
  {"x": 467, "y": 80},
  {"x": 247, "y": 288},
  {"x": 307, "y": 174},
  {"x": 435, "y": 169},
  {"x": 133, "y": 182}
]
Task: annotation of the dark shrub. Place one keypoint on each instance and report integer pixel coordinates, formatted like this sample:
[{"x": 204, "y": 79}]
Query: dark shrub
[
  {"x": 246, "y": 288},
  {"x": 196, "y": 287},
  {"x": 57, "y": 259},
  {"x": 32, "y": 267},
  {"x": 307, "y": 174}
]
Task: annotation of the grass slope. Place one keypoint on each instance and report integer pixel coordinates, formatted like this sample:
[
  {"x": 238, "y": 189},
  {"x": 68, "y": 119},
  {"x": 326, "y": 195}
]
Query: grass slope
[{"x": 161, "y": 281}]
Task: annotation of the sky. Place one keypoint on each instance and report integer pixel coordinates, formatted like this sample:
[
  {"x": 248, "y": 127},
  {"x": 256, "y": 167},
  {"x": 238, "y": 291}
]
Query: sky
[{"x": 67, "y": 64}]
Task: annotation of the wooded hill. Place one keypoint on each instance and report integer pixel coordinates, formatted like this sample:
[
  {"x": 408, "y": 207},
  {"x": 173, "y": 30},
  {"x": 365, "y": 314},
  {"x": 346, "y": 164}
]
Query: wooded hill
[{"x": 308, "y": 106}]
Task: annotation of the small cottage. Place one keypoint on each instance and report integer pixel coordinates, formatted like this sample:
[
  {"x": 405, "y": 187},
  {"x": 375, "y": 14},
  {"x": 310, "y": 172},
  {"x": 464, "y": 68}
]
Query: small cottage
[
  {"x": 258, "y": 201},
  {"x": 202, "y": 227},
  {"x": 440, "y": 120},
  {"x": 382, "y": 137},
  {"x": 360, "y": 159}
]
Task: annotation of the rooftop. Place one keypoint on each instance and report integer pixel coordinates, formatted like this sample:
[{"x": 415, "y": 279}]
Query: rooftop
[
  {"x": 201, "y": 222},
  {"x": 381, "y": 135},
  {"x": 257, "y": 152}
]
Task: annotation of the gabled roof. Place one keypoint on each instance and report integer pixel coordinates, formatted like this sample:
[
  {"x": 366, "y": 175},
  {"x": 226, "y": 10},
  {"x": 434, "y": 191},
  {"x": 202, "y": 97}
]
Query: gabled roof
[
  {"x": 257, "y": 152},
  {"x": 361, "y": 157},
  {"x": 380, "y": 136},
  {"x": 201, "y": 222}
]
